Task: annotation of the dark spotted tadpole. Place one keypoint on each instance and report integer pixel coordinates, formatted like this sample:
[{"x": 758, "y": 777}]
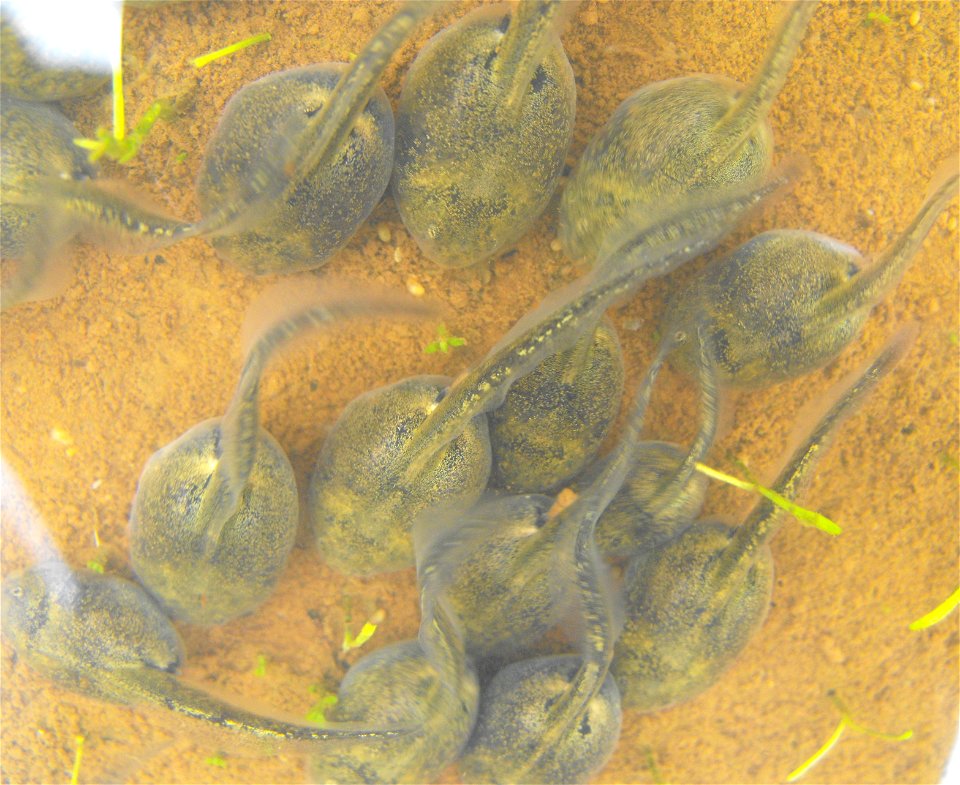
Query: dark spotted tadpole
[
  {"x": 693, "y": 603},
  {"x": 789, "y": 301},
  {"x": 216, "y": 511},
  {"x": 483, "y": 125},
  {"x": 50, "y": 197},
  {"x": 517, "y": 719},
  {"x": 395, "y": 452},
  {"x": 361, "y": 510},
  {"x": 557, "y": 719},
  {"x": 301, "y": 157},
  {"x": 427, "y": 685},
  {"x": 674, "y": 138},
  {"x": 104, "y": 636},
  {"x": 30, "y": 72},
  {"x": 554, "y": 419},
  {"x": 506, "y": 562}
]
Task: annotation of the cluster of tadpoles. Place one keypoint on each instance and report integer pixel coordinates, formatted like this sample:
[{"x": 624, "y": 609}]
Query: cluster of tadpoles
[{"x": 464, "y": 479}]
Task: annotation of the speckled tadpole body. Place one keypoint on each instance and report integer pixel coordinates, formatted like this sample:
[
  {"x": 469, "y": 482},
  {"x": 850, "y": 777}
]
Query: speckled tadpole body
[
  {"x": 361, "y": 509},
  {"x": 104, "y": 636},
  {"x": 301, "y": 157},
  {"x": 216, "y": 511},
  {"x": 671, "y": 138},
  {"x": 789, "y": 301},
  {"x": 553, "y": 420},
  {"x": 362, "y": 502},
  {"x": 694, "y": 602},
  {"x": 483, "y": 125}
]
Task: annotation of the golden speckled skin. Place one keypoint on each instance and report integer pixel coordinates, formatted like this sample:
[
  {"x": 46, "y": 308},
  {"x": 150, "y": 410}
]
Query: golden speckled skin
[
  {"x": 23, "y": 76},
  {"x": 361, "y": 514},
  {"x": 514, "y": 710},
  {"x": 629, "y": 525},
  {"x": 650, "y": 151},
  {"x": 81, "y": 628},
  {"x": 167, "y": 538},
  {"x": 397, "y": 685},
  {"x": 329, "y": 204},
  {"x": 553, "y": 420},
  {"x": 684, "y": 626},
  {"x": 788, "y": 301},
  {"x": 763, "y": 305},
  {"x": 36, "y": 141},
  {"x": 504, "y": 587},
  {"x": 470, "y": 178}
]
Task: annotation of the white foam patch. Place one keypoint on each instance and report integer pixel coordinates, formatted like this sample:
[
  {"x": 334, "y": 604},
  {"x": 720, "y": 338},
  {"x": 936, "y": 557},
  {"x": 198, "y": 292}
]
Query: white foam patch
[
  {"x": 18, "y": 513},
  {"x": 81, "y": 34}
]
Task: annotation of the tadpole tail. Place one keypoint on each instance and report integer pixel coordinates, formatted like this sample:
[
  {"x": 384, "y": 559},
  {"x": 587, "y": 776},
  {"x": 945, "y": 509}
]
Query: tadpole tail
[
  {"x": 326, "y": 131},
  {"x": 702, "y": 220},
  {"x": 105, "y": 213},
  {"x": 167, "y": 691},
  {"x": 597, "y": 497},
  {"x": 765, "y": 517},
  {"x": 868, "y": 287},
  {"x": 532, "y": 29},
  {"x": 113, "y": 215},
  {"x": 295, "y": 309},
  {"x": 660, "y": 245},
  {"x": 594, "y": 585},
  {"x": 669, "y": 497},
  {"x": 277, "y": 175},
  {"x": 758, "y": 96}
]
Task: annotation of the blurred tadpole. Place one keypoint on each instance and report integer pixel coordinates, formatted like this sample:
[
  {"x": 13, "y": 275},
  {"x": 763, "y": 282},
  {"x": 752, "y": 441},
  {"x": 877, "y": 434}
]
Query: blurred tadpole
[{"x": 19, "y": 517}]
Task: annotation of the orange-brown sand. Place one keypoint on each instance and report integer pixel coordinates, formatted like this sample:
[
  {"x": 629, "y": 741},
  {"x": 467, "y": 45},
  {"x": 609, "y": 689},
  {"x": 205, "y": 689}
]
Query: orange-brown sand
[{"x": 140, "y": 348}]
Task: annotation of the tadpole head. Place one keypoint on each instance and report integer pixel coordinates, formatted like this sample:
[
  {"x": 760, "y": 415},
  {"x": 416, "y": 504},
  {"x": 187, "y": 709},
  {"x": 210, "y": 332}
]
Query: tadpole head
[
  {"x": 774, "y": 308},
  {"x": 24, "y": 607},
  {"x": 516, "y": 709},
  {"x": 687, "y": 617}
]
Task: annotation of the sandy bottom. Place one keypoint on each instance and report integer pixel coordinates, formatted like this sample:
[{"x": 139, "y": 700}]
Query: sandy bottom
[{"x": 140, "y": 348}]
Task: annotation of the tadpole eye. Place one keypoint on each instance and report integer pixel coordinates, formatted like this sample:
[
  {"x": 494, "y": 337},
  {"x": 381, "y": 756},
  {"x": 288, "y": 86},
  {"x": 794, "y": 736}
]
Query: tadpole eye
[
  {"x": 680, "y": 336},
  {"x": 17, "y": 591}
]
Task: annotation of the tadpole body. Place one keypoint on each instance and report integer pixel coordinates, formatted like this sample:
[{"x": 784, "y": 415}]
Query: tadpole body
[{"x": 483, "y": 125}]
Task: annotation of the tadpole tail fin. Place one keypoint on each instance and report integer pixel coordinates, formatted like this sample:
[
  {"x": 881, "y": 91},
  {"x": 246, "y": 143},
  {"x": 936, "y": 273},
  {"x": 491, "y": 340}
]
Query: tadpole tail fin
[
  {"x": 113, "y": 215},
  {"x": 764, "y": 519},
  {"x": 670, "y": 497},
  {"x": 44, "y": 269},
  {"x": 867, "y": 287},
  {"x": 295, "y": 308},
  {"x": 174, "y": 694},
  {"x": 298, "y": 153},
  {"x": 533, "y": 27},
  {"x": 757, "y": 97}
]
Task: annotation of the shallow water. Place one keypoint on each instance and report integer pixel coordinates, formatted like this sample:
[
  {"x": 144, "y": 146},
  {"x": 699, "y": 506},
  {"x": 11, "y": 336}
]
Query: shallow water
[{"x": 141, "y": 348}]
